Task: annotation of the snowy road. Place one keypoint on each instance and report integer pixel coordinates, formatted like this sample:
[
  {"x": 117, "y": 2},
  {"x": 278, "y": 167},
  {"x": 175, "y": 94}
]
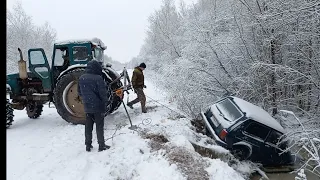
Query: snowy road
[{"x": 51, "y": 148}]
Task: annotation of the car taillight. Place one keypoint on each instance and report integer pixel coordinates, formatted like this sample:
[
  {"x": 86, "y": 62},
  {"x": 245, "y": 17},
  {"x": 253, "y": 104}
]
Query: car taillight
[{"x": 223, "y": 134}]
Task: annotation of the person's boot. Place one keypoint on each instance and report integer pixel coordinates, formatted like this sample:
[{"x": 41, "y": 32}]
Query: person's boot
[
  {"x": 88, "y": 148},
  {"x": 103, "y": 147},
  {"x": 144, "y": 110}
]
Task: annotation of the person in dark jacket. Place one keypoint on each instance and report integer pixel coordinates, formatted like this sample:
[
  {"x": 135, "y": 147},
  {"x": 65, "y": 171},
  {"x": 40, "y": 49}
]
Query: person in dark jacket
[
  {"x": 93, "y": 92},
  {"x": 137, "y": 81}
]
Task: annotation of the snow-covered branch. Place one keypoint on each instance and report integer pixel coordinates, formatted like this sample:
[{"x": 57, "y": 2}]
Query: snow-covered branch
[{"x": 303, "y": 143}]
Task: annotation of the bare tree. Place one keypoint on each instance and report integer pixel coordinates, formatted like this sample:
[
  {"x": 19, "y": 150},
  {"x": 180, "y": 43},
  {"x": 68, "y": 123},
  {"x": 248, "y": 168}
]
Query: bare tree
[{"x": 22, "y": 33}]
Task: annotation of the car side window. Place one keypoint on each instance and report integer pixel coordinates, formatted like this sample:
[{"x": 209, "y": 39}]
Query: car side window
[
  {"x": 273, "y": 137},
  {"x": 257, "y": 130}
]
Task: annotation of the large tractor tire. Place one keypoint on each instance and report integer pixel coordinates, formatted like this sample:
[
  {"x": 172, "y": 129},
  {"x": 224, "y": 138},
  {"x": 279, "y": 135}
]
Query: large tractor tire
[
  {"x": 116, "y": 100},
  {"x": 66, "y": 99},
  {"x": 9, "y": 113},
  {"x": 34, "y": 110}
]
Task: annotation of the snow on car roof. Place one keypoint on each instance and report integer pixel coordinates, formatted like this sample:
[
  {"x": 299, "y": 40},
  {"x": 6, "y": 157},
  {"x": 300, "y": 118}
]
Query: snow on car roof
[{"x": 258, "y": 114}]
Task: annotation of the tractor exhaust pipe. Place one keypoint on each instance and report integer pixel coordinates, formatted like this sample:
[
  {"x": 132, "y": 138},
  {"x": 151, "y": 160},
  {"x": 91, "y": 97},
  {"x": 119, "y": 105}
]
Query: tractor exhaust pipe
[{"x": 22, "y": 67}]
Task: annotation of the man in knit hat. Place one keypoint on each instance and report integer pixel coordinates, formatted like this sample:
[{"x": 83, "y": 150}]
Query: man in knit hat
[{"x": 137, "y": 81}]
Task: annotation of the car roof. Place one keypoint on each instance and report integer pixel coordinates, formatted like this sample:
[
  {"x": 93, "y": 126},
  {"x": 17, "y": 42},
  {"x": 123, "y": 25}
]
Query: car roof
[{"x": 258, "y": 114}]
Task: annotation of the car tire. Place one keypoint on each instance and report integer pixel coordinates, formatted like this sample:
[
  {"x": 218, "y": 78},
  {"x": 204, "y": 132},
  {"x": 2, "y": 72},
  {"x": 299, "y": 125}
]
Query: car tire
[{"x": 241, "y": 152}]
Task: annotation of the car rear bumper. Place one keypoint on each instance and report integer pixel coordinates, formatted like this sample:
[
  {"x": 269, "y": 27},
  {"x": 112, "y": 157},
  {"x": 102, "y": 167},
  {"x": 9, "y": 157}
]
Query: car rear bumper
[{"x": 212, "y": 132}]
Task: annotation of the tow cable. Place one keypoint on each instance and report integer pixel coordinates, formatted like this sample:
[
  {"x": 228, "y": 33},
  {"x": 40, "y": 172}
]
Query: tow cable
[{"x": 126, "y": 87}]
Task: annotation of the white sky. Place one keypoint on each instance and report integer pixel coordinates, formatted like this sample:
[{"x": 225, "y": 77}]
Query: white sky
[{"x": 120, "y": 24}]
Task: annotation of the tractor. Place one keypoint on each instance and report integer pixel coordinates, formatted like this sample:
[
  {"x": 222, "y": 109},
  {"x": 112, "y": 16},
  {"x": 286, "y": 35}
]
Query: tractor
[{"x": 58, "y": 83}]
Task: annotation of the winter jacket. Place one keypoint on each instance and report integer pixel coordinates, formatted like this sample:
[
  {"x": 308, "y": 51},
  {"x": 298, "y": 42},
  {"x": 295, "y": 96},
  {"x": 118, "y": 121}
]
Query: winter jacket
[
  {"x": 92, "y": 89},
  {"x": 137, "y": 79}
]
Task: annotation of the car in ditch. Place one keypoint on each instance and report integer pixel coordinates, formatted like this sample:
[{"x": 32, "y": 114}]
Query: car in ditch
[{"x": 248, "y": 131}]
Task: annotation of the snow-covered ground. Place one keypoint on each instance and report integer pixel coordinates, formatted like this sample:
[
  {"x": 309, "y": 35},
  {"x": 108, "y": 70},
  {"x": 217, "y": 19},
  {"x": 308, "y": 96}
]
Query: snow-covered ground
[{"x": 51, "y": 148}]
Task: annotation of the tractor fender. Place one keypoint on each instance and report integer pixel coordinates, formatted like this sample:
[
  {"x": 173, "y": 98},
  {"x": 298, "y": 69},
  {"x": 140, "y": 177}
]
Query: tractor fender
[
  {"x": 112, "y": 72},
  {"x": 72, "y": 67},
  {"x": 107, "y": 75},
  {"x": 242, "y": 143},
  {"x": 108, "y": 71}
]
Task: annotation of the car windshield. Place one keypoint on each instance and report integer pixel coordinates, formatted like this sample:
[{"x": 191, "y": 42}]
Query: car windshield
[{"x": 228, "y": 110}]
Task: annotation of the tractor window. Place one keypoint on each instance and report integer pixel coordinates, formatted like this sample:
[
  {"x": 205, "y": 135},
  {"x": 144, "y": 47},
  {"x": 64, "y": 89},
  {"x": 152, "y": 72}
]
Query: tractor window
[
  {"x": 257, "y": 130},
  {"x": 37, "y": 57},
  {"x": 58, "y": 60},
  {"x": 98, "y": 55},
  {"x": 42, "y": 71},
  {"x": 80, "y": 53}
]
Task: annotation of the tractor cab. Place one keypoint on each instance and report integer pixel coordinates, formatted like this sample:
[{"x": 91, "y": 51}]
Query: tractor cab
[
  {"x": 57, "y": 81},
  {"x": 65, "y": 54}
]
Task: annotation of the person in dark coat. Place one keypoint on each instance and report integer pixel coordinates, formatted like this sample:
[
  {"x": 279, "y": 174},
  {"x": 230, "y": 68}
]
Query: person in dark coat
[
  {"x": 93, "y": 92},
  {"x": 137, "y": 81}
]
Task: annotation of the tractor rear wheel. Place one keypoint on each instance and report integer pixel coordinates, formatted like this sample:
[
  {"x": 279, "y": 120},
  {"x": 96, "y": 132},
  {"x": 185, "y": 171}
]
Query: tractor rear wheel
[
  {"x": 116, "y": 100},
  {"x": 9, "y": 114},
  {"x": 67, "y": 101},
  {"x": 34, "y": 110}
]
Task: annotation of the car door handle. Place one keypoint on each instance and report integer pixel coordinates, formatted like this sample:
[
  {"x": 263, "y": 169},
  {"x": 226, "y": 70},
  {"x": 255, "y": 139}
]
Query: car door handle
[{"x": 266, "y": 145}]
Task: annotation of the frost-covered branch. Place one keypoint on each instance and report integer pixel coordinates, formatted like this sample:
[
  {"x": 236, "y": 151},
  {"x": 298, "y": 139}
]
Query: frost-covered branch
[{"x": 304, "y": 143}]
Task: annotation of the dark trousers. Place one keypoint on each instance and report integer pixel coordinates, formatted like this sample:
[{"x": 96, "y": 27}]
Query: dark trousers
[
  {"x": 92, "y": 118},
  {"x": 141, "y": 97}
]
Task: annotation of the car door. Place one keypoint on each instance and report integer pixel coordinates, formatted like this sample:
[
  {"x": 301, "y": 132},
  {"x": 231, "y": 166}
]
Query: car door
[
  {"x": 255, "y": 134},
  {"x": 272, "y": 149}
]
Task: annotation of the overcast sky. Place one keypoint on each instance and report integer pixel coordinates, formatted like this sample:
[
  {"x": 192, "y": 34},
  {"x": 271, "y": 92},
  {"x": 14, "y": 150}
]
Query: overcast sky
[{"x": 120, "y": 24}]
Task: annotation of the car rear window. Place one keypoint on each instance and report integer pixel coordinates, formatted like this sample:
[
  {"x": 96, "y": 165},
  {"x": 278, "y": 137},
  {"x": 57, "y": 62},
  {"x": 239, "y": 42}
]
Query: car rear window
[{"x": 229, "y": 110}]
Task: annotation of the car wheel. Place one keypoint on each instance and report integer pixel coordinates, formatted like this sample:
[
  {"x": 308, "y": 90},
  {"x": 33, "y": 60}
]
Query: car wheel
[{"x": 241, "y": 152}]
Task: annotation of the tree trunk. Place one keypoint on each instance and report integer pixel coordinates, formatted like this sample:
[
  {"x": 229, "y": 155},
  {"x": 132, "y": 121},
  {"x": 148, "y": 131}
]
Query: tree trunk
[{"x": 273, "y": 79}]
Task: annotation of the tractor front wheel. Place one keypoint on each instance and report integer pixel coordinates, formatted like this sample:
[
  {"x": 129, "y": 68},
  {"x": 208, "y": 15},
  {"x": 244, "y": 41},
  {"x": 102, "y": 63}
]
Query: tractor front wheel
[
  {"x": 34, "y": 110},
  {"x": 9, "y": 113}
]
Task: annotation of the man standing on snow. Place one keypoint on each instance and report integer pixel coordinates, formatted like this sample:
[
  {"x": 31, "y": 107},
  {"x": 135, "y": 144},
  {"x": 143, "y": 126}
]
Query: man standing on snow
[
  {"x": 137, "y": 81},
  {"x": 92, "y": 89}
]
